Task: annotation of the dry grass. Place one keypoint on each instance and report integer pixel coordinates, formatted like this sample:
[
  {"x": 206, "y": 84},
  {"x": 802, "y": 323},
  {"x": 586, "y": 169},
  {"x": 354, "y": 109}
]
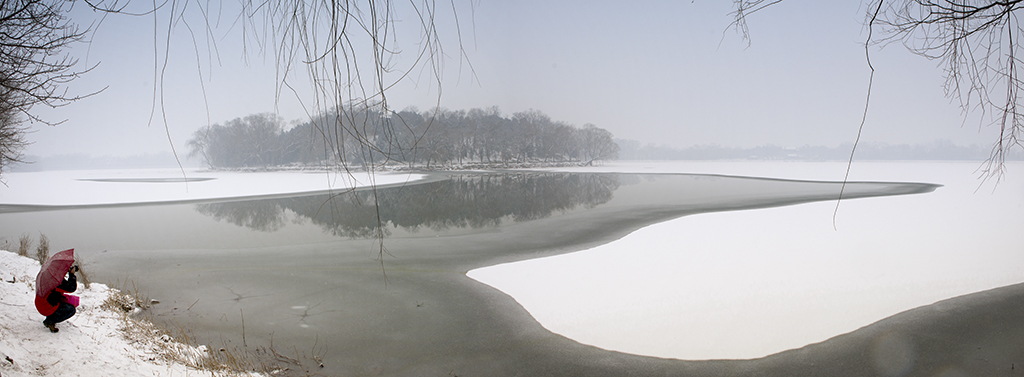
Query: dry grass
[
  {"x": 127, "y": 303},
  {"x": 24, "y": 244},
  {"x": 43, "y": 250},
  {"x": 83, "y": 277}
]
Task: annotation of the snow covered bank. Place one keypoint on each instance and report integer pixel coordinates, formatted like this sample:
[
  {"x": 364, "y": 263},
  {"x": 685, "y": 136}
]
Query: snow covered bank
[
  {"x": 94, "y": 342},
  {"x": 746, "y": 284},
  {"x": 103, "y": 187}
]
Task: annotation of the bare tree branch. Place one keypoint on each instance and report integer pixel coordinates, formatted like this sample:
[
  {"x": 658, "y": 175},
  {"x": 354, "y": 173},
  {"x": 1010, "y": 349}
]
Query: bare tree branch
[
  {"x": 975, "y": 40},
  {"x": 34, "y": 70}
]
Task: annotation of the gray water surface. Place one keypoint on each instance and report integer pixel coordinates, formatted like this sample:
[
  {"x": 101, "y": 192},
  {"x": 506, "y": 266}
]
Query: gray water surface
[{"x": 309, "y": 273}]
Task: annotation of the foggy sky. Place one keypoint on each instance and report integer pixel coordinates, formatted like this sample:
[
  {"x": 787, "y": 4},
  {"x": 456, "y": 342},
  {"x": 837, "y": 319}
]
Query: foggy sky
[{"x": 668, "y": 72}]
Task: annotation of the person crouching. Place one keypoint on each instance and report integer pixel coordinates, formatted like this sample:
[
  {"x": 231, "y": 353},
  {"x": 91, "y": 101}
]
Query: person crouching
[{"x": 56, "y": 305}]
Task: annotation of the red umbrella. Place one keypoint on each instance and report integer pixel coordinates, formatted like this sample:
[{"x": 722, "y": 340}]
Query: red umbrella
[{"x": 53, "y": 271}]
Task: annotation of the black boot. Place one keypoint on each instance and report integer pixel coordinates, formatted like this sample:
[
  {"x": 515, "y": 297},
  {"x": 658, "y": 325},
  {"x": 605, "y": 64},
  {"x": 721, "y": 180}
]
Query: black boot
[{"x": 51, "y": 326}]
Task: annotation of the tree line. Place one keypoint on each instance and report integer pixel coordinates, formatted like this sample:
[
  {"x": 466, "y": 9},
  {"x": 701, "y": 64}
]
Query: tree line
[
  {"x": 940, "y": 150},
  {"x": 370, "y": 138}
]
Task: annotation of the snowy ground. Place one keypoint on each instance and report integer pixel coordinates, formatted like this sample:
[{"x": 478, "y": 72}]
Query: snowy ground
[
  {"x": 90, "y": 187},
  {"x": 92, "y": 343},
  {"x": 746, "y": 284}
]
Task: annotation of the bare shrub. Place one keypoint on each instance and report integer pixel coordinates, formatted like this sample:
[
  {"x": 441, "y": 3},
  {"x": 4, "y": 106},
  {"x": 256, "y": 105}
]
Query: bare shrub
[
  {"x": 82, "y": 275},
  {"x": 24, "y": 243},
  {"x": 43, "y": 250}
]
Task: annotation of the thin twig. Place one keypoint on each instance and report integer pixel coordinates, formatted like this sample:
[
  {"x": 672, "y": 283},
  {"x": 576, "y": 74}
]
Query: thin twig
[{"x": 864, "y": 116}]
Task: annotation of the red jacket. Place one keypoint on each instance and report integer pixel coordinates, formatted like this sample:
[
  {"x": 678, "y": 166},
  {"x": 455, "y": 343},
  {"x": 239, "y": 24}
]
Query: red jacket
[{"x": 47, "y": 305}]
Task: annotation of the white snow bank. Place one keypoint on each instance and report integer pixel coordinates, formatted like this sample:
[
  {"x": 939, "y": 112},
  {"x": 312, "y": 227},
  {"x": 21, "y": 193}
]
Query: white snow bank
[
  {"x": 89, "y": 344},
  {"x": 91, "y": 187},
  {"x": 746, "y": 284}
]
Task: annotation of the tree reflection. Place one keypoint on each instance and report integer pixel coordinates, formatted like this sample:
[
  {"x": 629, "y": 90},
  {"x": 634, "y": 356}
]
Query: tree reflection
[
  {"x": 261, "y": 215},
  {"x": 469, "y": 200}
]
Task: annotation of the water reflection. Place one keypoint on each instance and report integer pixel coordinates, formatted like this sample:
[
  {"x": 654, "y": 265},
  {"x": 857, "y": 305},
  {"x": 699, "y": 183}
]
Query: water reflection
[
  {"x": 261, "y": 215},
  {"x": 424, "y": 316},
  {"x": 473, "y": 201}
]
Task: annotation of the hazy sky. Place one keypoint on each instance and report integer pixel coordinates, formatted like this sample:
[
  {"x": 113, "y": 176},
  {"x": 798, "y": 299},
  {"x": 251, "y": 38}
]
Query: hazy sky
[{"x": 668, "y": 72}]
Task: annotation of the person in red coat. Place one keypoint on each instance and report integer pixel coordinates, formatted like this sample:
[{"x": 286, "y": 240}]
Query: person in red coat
[{"x": 55, "y": 305}]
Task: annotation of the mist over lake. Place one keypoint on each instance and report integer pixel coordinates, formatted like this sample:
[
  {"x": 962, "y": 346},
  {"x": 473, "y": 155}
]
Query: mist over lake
[{"x": 574, "y": 264}]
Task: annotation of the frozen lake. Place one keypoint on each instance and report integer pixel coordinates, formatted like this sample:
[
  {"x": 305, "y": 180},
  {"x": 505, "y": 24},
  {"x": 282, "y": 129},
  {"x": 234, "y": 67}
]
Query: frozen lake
[{"x": 674, "y": 266}]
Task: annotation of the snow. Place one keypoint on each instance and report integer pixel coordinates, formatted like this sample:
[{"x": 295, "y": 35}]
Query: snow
[
  {"x": 93, "y": 342},
  {"x": 97, "y": 187},
  {"x": 746, "y": 284}
]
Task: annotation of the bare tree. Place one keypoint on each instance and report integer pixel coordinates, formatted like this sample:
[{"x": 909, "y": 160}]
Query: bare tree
[
  {"x": 34, "y": 68},
  {"x": 977, "y": 42}
]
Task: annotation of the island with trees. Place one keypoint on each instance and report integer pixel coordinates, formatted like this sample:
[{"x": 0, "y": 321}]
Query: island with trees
[{"x": 366, "y": 138}]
